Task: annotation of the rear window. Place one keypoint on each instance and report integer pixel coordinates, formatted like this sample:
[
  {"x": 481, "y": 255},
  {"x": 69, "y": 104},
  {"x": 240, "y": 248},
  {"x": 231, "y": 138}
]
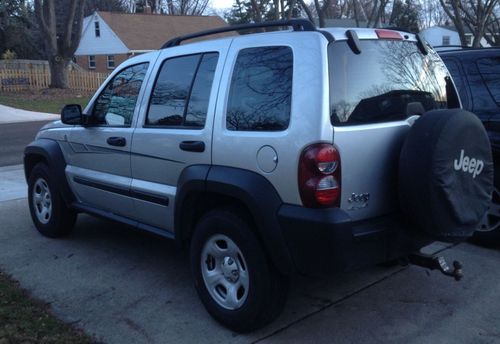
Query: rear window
[
  {"x": 490, "y": 72},
  {"x": 261, "y": 90},
  {"x": 386, "y": 82}
]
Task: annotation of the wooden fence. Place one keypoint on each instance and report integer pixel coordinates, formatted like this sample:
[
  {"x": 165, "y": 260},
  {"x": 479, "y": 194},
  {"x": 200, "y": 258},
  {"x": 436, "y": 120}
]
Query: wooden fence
[{"x": 18, "y": 80}]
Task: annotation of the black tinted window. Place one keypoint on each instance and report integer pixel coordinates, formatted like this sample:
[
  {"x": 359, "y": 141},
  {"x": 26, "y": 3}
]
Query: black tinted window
[
  {"x": 182, "y": 90},
  {"x": 458, "y": 79},
  {"x": 196, "y": 111},
  {"x": 116, "y": 104},
  {"x": 261, "y": 90},
  {"x": 490, "y": 72},
  {"x": 379, "y": 84}
]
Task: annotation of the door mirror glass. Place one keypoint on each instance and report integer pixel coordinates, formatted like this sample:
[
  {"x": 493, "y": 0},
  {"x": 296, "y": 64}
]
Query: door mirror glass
[{"x": 72, "y": 114}]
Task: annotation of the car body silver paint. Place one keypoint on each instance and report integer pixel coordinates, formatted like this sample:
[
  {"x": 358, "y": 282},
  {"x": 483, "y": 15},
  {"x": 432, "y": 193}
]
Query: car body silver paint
[
  {"x": 368, "y": 152},
  {"x": 90, "y": 152},
  {"x": 156, "y": 155},
  {"x": 309, "y": 104},
  {"x": 369, "y": 161},
  {"x": 97, "y": 197}
]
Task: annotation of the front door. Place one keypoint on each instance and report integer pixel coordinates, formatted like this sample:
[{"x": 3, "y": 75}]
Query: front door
[{"x": 99, "y": 153}]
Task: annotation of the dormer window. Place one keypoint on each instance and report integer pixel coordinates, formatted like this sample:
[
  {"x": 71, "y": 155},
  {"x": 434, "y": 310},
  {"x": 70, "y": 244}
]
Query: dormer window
[{"x": 97, "y": 29}]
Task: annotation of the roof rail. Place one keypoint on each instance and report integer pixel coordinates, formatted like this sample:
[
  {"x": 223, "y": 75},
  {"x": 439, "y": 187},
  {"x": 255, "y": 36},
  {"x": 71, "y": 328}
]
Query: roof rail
[
  {"x": 296, "y": 24},
  {"x": 452, "y": 46}
]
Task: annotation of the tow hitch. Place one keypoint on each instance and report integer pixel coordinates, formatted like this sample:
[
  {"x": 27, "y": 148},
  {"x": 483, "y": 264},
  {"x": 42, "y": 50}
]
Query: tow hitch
[{"x": 437, "y": 263}]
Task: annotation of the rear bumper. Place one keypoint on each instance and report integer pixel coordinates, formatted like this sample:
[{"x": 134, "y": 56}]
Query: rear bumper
[{"x": 327, "y": 240}]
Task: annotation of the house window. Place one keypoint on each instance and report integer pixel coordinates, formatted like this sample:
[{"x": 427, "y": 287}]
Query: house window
[
  {"x": 468, "y": 40},
  {"x": 111, "y": 61},
  {"x": 446, "y": 40},
  {"x": 91, "y": 61},
  {"x": 97, "y": 29}
]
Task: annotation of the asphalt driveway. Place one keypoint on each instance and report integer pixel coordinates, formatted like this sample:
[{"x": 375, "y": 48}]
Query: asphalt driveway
[{"x": 122, "y": 285}]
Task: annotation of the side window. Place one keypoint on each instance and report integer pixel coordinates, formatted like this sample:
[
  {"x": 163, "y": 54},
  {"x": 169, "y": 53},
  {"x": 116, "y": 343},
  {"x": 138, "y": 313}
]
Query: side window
[
  {"x": 116, "y": 104},
  {"x": 490, "y": 72},
  {"x": 182, "y": 90},
  {"x": 261, "y": 90},
  {"x": 458, "y": 79}
]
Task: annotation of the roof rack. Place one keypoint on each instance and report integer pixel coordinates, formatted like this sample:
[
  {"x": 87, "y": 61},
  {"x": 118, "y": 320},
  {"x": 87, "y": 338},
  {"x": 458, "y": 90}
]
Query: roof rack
[{"x": 296, "y": 24}]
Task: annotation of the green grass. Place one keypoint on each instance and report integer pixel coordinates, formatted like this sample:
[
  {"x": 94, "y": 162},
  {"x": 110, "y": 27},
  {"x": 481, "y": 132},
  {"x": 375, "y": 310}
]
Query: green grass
[
  {"x": 41, "y": 105},
  {"x": 24, "y": 320}
]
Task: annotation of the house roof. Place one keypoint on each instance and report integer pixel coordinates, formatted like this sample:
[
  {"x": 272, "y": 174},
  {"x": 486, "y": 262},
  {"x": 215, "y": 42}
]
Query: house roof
[
  {"x": 150, "y": 31},
  {"x": 453, "y": 28}
]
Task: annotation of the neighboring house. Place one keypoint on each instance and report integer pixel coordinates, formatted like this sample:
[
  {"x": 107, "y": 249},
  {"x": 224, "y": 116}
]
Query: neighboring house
[
  {"x": 443, "y": 35},
  {"x": 109, "y": 38}
]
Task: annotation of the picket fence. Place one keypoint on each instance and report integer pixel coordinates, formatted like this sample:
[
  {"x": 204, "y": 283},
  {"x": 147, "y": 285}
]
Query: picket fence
[{"x": 18, "y": 80}]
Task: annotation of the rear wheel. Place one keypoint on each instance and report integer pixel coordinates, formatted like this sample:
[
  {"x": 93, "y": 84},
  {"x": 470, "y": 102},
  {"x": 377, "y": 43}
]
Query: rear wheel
[
  {"x": 488, "y": 232},
  {"x": 233, "y": 277},
  {"x": 47, "y": 209}
]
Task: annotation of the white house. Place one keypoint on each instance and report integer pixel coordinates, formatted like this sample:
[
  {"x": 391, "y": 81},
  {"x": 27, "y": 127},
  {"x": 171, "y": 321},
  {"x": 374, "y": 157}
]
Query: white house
[
  {"x": 109, "y": 38},
  {"x": 447, "y": 35}
]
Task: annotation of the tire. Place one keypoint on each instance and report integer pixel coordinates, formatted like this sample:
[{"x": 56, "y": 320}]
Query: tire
[
  {"x": 488, "y": 231},
  {"x": 47, "y": 209},
  {"x": 446, "y": 174},
  {"x": 233, "y": 277}
]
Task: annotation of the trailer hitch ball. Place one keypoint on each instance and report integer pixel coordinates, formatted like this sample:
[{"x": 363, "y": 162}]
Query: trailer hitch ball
[{"x": 437, "y": 263}]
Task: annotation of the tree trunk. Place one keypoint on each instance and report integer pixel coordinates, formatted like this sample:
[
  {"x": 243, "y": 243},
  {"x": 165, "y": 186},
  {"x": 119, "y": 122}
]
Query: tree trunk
[
  {"x": 307, "y": 10},
  {"x": 58, "y": 72}
]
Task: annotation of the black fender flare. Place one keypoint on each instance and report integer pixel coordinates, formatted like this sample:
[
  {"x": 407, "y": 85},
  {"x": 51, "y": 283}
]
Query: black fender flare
[
  {"x": 250, "y": 188},
  {"x": 50, "y": 152}
]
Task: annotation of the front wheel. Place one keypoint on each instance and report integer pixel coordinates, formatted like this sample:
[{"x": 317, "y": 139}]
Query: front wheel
[
  {"x": 233, "y": 277},
  {"x": 49, "y": 213}
]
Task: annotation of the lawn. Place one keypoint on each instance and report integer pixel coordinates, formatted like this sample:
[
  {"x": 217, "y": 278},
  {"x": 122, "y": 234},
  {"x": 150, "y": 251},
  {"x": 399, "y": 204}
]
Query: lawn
[
  {"x": 24, "y": 320},
  {"x": 47, "y": 100}
]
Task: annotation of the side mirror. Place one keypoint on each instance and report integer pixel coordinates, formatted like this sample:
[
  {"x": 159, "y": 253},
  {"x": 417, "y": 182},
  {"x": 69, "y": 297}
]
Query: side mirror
[{"x": 72, "y": 114}]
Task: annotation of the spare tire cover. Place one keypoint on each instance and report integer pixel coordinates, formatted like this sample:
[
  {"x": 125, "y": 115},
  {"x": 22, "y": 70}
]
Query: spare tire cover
[{"x": 446, "y": 174}]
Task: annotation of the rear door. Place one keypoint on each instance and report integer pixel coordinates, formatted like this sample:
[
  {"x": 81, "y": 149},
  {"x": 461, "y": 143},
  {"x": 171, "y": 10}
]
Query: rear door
[
  {"x": 372, "y": 96},
  {"x": 175, "y": 127}
]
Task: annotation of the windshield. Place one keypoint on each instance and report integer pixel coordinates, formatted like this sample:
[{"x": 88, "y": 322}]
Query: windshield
[{"x": 390, "y": 80}]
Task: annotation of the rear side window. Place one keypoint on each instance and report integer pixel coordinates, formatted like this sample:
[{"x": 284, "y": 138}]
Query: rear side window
[
  {"x": 386, "y": 82},
  {"x": 490, "y": 72},
  {"x": 261, "y": 90},
  {"x": 182, "y": 90},
  {"x": 458, "y": 79}
]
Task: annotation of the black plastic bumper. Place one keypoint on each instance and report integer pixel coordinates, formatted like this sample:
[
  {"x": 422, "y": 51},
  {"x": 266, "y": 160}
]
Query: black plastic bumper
[{"x": 327, "y": 240}]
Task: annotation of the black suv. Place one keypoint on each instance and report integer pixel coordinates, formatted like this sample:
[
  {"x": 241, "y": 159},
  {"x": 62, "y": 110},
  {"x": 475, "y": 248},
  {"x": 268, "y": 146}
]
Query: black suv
[{"x": 476, "y": 73}]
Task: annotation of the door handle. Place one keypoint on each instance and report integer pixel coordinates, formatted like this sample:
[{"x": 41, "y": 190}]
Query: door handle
[
  {"x": 116, "y": 141},
  {"x": 192, "y": 146}
]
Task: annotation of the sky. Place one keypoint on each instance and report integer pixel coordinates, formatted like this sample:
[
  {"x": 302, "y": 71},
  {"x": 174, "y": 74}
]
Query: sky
[{"x": 222, "y": 4}]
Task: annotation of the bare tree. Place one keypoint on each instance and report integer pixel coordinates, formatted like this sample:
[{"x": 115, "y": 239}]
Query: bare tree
[
  {"x": 474, "y": 14},
  {"x": 432, "y": 13},
  {"x": 169, "y": 7},
  {"x": 492, "y": 35},
  {"x": 61, "y": 29}
]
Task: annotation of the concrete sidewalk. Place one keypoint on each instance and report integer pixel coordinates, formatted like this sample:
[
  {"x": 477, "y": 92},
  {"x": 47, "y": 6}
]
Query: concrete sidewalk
[
  {"x": 12, "y": 115},
  {"x": 12, "y": 183}
]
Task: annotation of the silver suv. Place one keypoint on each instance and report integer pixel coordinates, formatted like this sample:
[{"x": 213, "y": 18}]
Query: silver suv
[{"x": 293, "y": 151}]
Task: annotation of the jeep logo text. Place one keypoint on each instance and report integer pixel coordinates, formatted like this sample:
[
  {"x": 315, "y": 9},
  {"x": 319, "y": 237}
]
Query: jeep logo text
[{"x": 468, "y": 165}]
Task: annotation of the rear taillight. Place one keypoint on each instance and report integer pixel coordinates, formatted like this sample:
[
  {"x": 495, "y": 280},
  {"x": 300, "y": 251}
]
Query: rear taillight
[{"x": 319, "y": 176}]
